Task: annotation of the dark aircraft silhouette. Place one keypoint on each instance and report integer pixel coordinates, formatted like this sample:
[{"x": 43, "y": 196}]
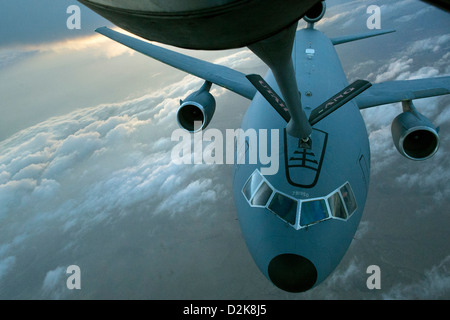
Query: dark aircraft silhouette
[{"x": 202, "y": 24}]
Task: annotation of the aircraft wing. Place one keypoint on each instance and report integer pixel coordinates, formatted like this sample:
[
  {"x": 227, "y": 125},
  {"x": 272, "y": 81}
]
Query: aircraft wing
[
  {"x": 400, "y": 90},
  {"x": 225, "y": 77}
]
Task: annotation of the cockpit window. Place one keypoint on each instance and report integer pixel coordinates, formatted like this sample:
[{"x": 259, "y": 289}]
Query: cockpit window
[
  {"x": 262, "y": 195},
  {"x": 349, "y": 198},
  {"x": 336, "y": 206},
  {"x": 284, "y": 207},
  {"x": 313, "y": 211},
  {"x": 300, "y": 213},
  {"x": 252, "y": 184}
]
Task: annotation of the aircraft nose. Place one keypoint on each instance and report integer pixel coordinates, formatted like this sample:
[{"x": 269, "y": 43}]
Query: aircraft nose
[{"x": 292, "y": 273}]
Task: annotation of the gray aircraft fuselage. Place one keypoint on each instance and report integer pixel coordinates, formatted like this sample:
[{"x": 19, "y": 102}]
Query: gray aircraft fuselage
[{"x": 298, "y": 251}]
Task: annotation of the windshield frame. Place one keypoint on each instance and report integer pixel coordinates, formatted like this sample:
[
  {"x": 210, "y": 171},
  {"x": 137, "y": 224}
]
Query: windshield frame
[{"x": 299, "y": 202}]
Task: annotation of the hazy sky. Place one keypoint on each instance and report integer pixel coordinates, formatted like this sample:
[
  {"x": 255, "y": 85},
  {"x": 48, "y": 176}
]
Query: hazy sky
[
  {"x": 26, "y": 22},
  {"x": 86, "y": 176}
]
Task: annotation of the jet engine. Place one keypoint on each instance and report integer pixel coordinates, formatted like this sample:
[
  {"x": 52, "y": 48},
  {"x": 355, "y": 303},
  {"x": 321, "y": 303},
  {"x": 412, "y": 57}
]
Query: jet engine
[
  {"x": 414, "y": 135},
  {"x": 316, "y": 13},
  {"x": 197, "y": 110}
]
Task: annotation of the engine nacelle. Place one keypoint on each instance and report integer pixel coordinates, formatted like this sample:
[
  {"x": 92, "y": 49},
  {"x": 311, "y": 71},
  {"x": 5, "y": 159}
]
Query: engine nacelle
[
  {"x": 414, "y": 135},
  {"x": 316, "y": 12},
  {"x": 197, "y": 110}
]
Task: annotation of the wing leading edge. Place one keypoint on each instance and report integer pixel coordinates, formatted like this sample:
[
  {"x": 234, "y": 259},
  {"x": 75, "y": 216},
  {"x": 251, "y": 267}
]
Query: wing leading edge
[
  {"x": 225, "y": 77},
  {"x": 402, "y": 90}
]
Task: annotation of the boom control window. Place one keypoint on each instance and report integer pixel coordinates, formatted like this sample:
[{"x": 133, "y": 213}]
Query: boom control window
[
  {"x": 262, "y": 195},
  {"x": 336, "y": 206},
  {"x": 299, "y": 213},
  {"x": 252, "y": 184},
  {"x": 284, "y": 207},
  {"x": 349, "y": 198},
  {"x": 312, "y": 212}
]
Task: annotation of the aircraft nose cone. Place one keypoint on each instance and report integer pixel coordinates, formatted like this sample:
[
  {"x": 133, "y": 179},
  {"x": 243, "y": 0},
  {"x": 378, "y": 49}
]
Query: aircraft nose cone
[{"x": 292, "y": 273}]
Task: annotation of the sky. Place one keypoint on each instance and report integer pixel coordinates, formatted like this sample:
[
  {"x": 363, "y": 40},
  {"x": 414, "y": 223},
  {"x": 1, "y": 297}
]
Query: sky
[{"x": 86, "y": 176}]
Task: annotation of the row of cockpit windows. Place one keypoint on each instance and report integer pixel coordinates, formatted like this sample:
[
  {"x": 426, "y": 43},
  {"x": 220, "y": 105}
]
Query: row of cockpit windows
[{"x": 340, "y": 204}]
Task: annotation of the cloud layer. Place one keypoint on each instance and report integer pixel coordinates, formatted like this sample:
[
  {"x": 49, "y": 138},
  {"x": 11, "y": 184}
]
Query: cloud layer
[
  {"x": 72, "y": 175},
  {"x": 96, "y": 187}
]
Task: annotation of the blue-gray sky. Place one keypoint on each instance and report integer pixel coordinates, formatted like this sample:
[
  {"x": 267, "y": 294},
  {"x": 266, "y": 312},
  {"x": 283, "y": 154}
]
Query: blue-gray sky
[
  {"x": 27, "y": 22},
  {"x": 86, "y": 176}
]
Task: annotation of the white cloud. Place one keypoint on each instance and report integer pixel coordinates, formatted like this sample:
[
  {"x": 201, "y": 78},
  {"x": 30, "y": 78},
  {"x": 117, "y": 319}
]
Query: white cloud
[
  {"x": 432, "y": 44},
  {"x": 363, "y": 229},
  {"x": 242, "y": 58},
  {"x": 197, "y": 195},
  {"x": 99, "y": 44},
  {"x": 13, "y": 195},
  {"x": 11, "y": 56},
  {"x": 382, "y": 149},
  {"x": 339, "y": 18},
  {"x": 4, "y": 176},
  {"x": 397, "y": 6},
  {"x": 434, "y": 285},
  {"x": 46, "y": 189},
  {"x": 424, "y": 72},
  {"x": 6, "y": 266},
  {"x": 92, "y": 166},
  {"x": 31, "y": 171},
  {"x": 402, "y": 67},
  {"x": 342, "y": 277},
  {"x": 443, "y": 116},
  {"x": 413, "y": 16},
  {"x": 394, "y": 68},
  {"x": 54, "y": 284},
  {"x": 96, "y": 165},
  {"x": 438, "y": 175},
  {"x": 381, "y": 116}
]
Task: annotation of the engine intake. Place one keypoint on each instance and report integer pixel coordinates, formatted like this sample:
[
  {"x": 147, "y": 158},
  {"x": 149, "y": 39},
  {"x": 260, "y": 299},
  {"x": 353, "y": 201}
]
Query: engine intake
[
  {"x": 414, "y": 135},
  {"x": 196, "y": 111},
  {"x": 316, "y": 12}
]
